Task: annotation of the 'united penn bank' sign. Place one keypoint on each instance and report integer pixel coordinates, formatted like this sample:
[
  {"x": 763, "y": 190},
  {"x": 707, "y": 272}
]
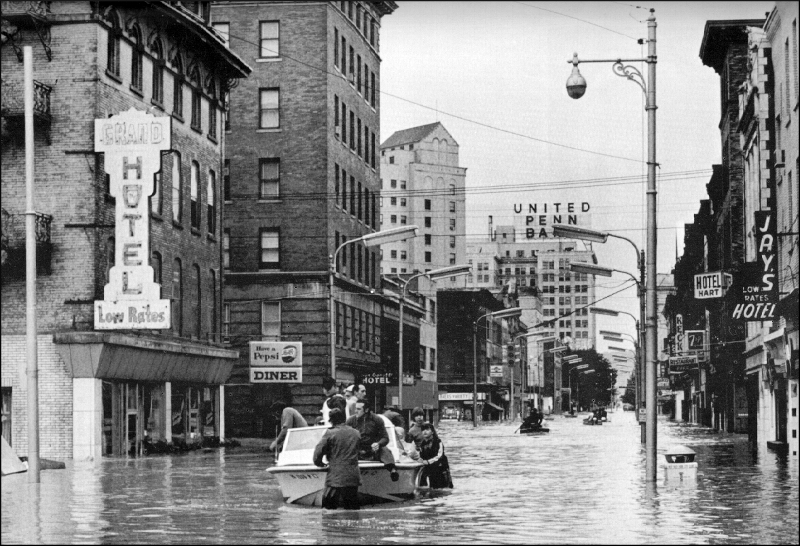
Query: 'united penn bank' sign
[
  {"x": 537, "y": 219},
  {"x": 132, "y": 143}
]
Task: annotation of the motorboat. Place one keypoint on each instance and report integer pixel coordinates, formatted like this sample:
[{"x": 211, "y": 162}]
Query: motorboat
[{"x": 302, "y": 482}]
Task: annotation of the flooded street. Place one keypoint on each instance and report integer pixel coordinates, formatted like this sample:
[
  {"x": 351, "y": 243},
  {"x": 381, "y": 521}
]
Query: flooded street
[{"x": 578, "y": 484}]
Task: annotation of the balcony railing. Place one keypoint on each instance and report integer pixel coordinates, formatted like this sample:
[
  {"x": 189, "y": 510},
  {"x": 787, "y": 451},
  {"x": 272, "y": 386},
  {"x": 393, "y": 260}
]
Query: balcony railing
[
  {"x": 12, "y": 240},
  {"x": 13, "y": 101},
  {"x": 26, "y": 15}
]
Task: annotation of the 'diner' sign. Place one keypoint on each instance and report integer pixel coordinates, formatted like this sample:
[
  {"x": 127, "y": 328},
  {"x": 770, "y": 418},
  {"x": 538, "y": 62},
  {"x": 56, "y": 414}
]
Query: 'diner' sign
[
  {"x": 132, "y": 143},
  {"x": 276, "y": 362}
]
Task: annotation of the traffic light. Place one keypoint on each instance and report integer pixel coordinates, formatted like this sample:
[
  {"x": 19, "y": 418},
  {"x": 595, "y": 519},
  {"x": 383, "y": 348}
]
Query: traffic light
[{"x": 510, "y": 354}]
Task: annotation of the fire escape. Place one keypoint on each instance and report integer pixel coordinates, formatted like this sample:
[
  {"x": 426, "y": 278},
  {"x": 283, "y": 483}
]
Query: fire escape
[{"x": 21, "y": 21}]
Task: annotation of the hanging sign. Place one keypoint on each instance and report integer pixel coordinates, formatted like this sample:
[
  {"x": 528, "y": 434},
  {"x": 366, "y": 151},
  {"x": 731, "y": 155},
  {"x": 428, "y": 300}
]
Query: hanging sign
[
  {"x": 710, "y": 285},
  {"x": 680, "y": 364},
  {"x": 758, "y": 290},
  {"x": 132, "y": 143},
  {"x": 276, "y": 362},
  {"x": 495, "y": 371}
]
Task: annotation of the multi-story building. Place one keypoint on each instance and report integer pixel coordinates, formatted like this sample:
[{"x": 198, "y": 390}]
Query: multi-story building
[
  {"x": 423, "y": 185},
  {"x": 767, "y": 103},
  {"x": 724, "y": 48},
  {"x": 115, "y": 391},
  {"x": 492, "y": 341},
  {"x": 301, "y": 179},
  {"x": 506, "y": 259}
]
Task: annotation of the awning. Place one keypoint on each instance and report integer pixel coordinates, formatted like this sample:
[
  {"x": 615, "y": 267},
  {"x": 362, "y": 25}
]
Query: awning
[
  {"x": 128, "y": 357},
  {"x": 495, "y": 406}
]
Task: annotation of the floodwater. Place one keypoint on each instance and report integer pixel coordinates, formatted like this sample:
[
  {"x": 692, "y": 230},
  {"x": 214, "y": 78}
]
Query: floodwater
[{"x": 578, "y": 484}]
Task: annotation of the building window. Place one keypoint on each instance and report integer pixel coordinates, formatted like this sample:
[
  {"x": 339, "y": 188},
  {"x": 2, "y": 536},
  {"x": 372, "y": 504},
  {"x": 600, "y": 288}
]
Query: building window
[
  {"x": 427, "y": 221},
  {"x": 198, "y": 302},
  {"x": 403, "y": 219},
  {"x": 226, "y": 248},
  {"x": 224, "y": 30},
  {"x": 155, "y": 199},
  {"x": 403, "y": 255},
  {"x": 432, "y": 363},
  {"x": 428, "y": 238},
  {"x": 195, "y": 199},
  {"x": 158, "y": 73},
  {"x": 393, "y": 219},
  {"x": 336, "y": 47},
  {"x": 177, "y": 209},
  {"x": 344, "y": 56},
  {"x": 269, "y": 176},
  {"x": 177, "y": 297},
  {"x": 402, "y": 201},
  {"x": 352, "y": 130},
  {"x": 211, "y": 202},
  {"x": 137, "y": 52},
  {"x": 226, "y": 319},
  {"x": 177, "y": 91},
  {"x": 393, "y": 254},
  {"x": 452, "y": 224},
  {"x": 393, "y": 184},
  {"x": 372, "y": 90},
  {"x": 212, "y": 110},
  {"x": 452, "y": 259},
  {"x": 270, "y": 39},
  {"x": 452, "y": 241},
  {"x": 336, "y": 129},
  {"x": 452, "y": 206},
  {"x": 112, "y": 47},
  {"x": 197, "y": 108},
  {"x": 270, "y": 257},
  {"x": 212, "y": 315},
  {"x": 269, "y": 112},
  {"x": 155, "y": 263},
  {"x": 428, "y": 257},
  {"x": 226, "y": 180},
  {"x": 271, "y": 320}
]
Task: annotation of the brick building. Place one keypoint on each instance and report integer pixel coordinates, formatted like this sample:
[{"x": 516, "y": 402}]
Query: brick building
[
  {"x": 114, "y": 392},
  {"x": 302, "y": 178}
]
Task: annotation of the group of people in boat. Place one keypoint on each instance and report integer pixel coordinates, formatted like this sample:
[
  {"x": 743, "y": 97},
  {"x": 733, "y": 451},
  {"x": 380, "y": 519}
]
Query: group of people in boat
[
  {"x": 358, "y": 434},
  {"x": 597, "y": 417},
  {"x": 533, "y": 422}
]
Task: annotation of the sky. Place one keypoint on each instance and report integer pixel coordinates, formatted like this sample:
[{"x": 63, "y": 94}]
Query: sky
[{"x": 494, "y": 74}]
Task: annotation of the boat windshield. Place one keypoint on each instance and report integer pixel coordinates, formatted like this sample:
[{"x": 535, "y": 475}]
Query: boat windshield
[{"x": 303, "y": 438}]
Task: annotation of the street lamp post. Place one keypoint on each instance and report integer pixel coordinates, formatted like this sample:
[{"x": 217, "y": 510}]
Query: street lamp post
[
  {"x": 449, "y": 271},
  {"x": 503, "y": 313},
  {"x": 523, "y": 369},
  {"x": 576, "y": 87},
  {"x": 369, "y": 240}
]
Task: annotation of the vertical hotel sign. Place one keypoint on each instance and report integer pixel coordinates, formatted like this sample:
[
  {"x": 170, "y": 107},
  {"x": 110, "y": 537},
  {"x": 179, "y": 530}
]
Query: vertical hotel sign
[{"x": 132, "y": 142}]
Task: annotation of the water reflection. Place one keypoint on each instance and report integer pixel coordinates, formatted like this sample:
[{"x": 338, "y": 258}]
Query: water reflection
[{"x": 577, "y": 484}]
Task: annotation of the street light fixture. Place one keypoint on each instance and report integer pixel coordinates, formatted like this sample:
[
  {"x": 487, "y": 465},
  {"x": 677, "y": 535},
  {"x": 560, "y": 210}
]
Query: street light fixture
[
  {"x": 576, "y": 87},
  {"x": 434, "y": 275},
  {"x": 503, "y": 313},
  {"x": 369, "y": 240}
]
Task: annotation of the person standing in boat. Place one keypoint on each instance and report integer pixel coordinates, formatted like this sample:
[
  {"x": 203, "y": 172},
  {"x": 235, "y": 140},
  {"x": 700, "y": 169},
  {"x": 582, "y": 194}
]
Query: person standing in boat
[
  {"x": 332, "y": 399},
  {"x": 436, "y": 469},
  {"x": 340, "y": 445},
  {"x": 290, "y": 418},
  {"x": 374, "y": 438}
]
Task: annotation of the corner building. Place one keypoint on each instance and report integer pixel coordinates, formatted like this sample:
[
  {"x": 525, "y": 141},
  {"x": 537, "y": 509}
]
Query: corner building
[
  {"x": 113, "y": 392},
  {"x": 301, "y": 178}
]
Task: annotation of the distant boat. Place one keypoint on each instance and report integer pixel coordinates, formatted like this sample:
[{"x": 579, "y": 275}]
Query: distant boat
[
  {"x": 302, "y": 482},
  {"x": 538, "y": 430}
]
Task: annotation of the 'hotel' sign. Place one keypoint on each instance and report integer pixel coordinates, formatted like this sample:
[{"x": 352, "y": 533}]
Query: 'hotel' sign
[{"x": 132, "y": 143}]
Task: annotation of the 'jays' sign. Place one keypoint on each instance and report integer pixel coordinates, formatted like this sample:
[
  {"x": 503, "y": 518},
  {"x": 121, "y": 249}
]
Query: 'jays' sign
[{"x": 758, "y": 290}]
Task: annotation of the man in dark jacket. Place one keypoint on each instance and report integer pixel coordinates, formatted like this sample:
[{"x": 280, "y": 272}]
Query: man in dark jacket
[
  {"x": 340, "y": 445},
  {"x": 374, "y": 438}
]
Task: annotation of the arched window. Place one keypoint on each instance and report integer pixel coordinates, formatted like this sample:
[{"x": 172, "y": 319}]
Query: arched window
[
  {"x": 177, "y": 209},
  {"x": 177, "y": 297},
  {"x": 196, "y": 100},
  {"x": 114, "y": 33},
  {"x": 213, "y": 104},
  {"x": 194, "y": 195},
  {"x": 211, "y": 200},
  {"x": 158, "y": 73},
  {"x": 137, "y": 54},
  {"x": 198, "y": 302},
  {"x": 177, "y": 88}
]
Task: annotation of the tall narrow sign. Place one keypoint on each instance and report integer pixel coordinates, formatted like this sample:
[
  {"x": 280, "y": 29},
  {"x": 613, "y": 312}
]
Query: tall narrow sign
[
  {"x": 132, "y": 142},
  {"x": 757, "y": 293}
]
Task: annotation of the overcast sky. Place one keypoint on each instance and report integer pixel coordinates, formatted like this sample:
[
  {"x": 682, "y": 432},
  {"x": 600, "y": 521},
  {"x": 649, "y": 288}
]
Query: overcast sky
[{"x": 494, "y": 74}]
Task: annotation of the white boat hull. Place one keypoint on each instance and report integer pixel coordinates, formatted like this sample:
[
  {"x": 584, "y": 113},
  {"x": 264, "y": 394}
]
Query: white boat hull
[{"x": 305, "y": 484}]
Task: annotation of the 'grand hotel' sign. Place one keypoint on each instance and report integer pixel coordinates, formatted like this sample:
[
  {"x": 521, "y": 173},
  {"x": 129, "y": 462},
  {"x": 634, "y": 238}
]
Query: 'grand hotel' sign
[{"x": 132, "y": 143}]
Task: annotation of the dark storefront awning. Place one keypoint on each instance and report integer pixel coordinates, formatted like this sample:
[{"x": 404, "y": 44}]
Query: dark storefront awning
[
  {"x": 139, "y": 358},
  {"x": 495, "y": 406}
]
